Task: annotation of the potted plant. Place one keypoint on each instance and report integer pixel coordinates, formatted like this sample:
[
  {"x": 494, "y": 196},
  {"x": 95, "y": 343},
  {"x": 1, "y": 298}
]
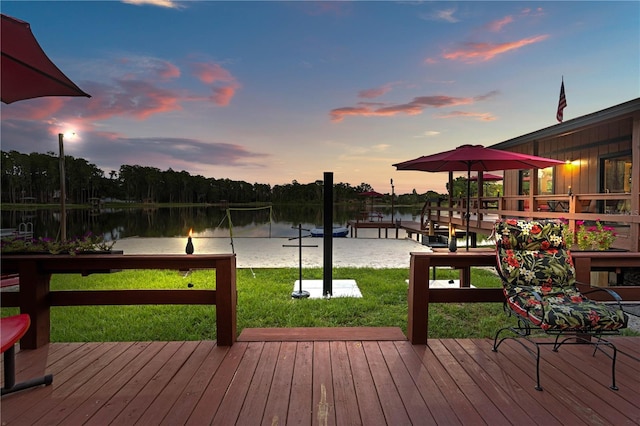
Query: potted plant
[
  {"x": 589, "y": 237},
  {"x": 88, "y": 243}
]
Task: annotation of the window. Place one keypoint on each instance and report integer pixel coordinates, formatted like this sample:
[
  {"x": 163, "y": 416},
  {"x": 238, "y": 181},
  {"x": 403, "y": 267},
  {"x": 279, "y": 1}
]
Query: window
[
  {"x": 617, "y": 174},
  {"x": 545, "y": 181}
]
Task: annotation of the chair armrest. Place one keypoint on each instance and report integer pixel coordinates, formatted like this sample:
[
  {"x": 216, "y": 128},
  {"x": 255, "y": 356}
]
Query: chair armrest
[
  {"x": 615, "y": 296},
  {"x": 536, "y": 295}
]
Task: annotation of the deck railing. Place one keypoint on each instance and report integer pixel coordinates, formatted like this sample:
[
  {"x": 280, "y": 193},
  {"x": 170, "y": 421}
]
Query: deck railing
[
  {"x": 616, "y": 209},
  {"x": 420, "y": 295},
  {"x": 35, "y": 297}
]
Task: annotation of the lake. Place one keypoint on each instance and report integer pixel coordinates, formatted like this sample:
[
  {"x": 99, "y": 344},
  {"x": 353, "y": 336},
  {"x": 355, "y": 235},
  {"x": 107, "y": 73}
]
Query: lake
[{"x": 206, "y": 221}]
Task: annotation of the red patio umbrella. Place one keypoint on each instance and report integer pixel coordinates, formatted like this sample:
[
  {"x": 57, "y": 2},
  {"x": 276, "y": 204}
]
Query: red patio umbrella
[
  {"x": 25, "y": 70},
  {"x": 477, "y": 158},
  {"x": 488, "y": 177}
]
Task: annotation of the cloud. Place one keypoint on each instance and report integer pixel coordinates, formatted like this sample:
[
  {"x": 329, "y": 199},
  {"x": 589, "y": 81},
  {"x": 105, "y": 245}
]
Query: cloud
[
  {"x": 482, "y": 116},
  {"x": 428, "y": 134},
  {"x": 445, "y": 15},
  {"x": 222, "y": 95},
  {"x": 480, "y": 52},
  {"x": 224, "y": 83},
  {"x": 165, "y": 70},
  {"x": 110, "y": 150},
  {"x": 170, "y": 4},
  {"x": 373, "y": 93},
  {"x": 497, "y": 25},
  {"x": 134, "y": 98},
  {"x": 210, "y": 73},
  {"x": 134, "y": 87},
  {"x": 532, "y": 12},
  {"x": 416, "y": 106}
]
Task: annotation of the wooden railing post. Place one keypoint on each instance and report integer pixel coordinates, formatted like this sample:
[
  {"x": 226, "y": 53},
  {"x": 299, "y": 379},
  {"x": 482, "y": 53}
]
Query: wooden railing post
[
  {"x": 34, "y": 300},
  {"x": 226, "y": 302},
  {"x": 418, "y": 300}
]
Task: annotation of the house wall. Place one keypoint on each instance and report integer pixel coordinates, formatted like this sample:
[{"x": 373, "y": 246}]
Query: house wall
[{"x": 584, "y": 148}]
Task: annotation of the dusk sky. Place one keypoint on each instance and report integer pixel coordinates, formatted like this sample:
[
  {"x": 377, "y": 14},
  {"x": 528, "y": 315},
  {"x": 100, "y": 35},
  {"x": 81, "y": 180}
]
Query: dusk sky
[{"x": 271, "y": 92}]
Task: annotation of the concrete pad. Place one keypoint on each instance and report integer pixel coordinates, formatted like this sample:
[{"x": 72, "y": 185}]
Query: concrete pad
[
  {"x": 444, "y": 284},
  {"x": 341, "y": 288}
]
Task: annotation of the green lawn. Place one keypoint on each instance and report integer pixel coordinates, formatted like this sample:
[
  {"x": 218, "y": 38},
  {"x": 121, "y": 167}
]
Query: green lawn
[{"x": 264, "y": 300}]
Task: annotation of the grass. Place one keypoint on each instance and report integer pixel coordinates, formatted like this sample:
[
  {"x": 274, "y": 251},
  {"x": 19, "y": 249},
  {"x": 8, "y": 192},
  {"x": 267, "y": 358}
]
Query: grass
[{"x": 264, "y": 300}]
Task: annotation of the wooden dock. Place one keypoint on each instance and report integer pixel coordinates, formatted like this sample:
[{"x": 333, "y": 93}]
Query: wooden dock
[{"x": 413, "y": 229}]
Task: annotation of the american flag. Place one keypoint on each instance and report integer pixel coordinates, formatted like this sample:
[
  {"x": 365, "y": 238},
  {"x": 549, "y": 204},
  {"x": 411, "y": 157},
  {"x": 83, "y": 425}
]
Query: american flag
[{"x": 562, "y": 103}]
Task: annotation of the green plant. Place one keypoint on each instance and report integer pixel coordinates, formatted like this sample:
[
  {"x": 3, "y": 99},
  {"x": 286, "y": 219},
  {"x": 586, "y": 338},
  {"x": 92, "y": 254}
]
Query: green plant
[{"x": 86, "y": 243}]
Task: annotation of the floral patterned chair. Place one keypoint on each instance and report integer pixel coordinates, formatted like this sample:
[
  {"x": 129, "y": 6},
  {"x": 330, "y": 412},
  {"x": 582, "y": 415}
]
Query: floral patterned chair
[{"x": 538, "y": 280}]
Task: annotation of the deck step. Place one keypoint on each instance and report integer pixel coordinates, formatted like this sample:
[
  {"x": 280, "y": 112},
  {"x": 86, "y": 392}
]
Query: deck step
[{"x": 304, "y": 334}]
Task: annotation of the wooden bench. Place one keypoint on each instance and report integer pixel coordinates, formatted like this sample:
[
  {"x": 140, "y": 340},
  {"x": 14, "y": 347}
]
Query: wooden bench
[{"x": 11, "y": 331}]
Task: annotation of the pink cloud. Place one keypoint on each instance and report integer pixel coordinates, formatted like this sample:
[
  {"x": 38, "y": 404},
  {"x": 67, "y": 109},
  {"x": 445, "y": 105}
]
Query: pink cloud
[
  {"x": 212, "y": 73},
  {"x": 497, "y": 25},
  {"x": 209, "y": 73},
  {"x": 416, "y": 106},
  {"x": 480, "y": 52},
  {"x": 135, "y": 98},
  {"x": 34, "y": 109},
  {"x": 167, "y": 70},
  {"x": 222, "y": 95},
  {"x": 375, "y": 92}
]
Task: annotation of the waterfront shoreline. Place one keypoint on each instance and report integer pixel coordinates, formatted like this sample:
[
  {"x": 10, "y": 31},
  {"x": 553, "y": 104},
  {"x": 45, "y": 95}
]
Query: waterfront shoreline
[{"x": 376, "y": 253}]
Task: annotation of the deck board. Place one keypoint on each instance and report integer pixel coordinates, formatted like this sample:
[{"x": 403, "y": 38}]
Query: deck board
[{"x": 332, "y": 382}]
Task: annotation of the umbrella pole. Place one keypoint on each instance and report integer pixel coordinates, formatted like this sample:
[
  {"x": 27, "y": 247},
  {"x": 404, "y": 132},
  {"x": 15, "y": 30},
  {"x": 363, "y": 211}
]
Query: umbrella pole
[{"x": 63, "y": 191}]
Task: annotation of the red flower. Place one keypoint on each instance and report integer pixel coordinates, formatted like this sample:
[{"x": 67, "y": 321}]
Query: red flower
[
  {"x": 576, "y": 299},
  {"x": 512, "y": 222},
  {"x": 594, "y": 317},
  {"x": 536, "y": 229},
  {"x": 545, "y": 245},
  {"x": 511, "y": 259}
]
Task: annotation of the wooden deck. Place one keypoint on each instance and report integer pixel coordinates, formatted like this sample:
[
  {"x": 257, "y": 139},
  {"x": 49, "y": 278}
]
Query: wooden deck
[{"x": 321, "y": 377}]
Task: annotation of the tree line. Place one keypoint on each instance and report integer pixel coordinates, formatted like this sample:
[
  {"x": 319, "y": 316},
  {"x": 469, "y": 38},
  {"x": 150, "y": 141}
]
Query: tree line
[{"x": 35, "y": 178}]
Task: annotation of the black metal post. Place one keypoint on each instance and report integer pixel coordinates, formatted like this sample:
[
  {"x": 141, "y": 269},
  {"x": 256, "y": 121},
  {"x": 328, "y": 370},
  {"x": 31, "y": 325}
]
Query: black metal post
[
  {"x": 392, "y": 197},
  {"x": 327, "y": 281},
  {"x": 300, "y": 294}
]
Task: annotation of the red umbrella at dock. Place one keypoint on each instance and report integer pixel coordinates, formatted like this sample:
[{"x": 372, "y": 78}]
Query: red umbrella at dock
[
  {"x": 488, "y": 177},
  {"x": 476, "y": 158},
  {"x": 25, "y": 70},
  {"x": 372, "y": 195}
]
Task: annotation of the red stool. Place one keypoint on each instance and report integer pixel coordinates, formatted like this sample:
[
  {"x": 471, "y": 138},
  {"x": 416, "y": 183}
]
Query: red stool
[{"x": 11, "y": 330}]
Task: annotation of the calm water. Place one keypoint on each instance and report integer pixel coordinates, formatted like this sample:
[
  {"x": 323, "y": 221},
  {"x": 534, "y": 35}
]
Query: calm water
[{"x": 176, "y": 221}]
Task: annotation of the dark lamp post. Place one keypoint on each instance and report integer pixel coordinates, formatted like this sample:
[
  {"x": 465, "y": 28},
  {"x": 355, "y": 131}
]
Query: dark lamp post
[{"x": 392, "y": 197}]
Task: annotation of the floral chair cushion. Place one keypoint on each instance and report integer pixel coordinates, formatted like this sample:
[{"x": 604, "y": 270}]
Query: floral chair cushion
[{"x": 539, "y": 279}]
